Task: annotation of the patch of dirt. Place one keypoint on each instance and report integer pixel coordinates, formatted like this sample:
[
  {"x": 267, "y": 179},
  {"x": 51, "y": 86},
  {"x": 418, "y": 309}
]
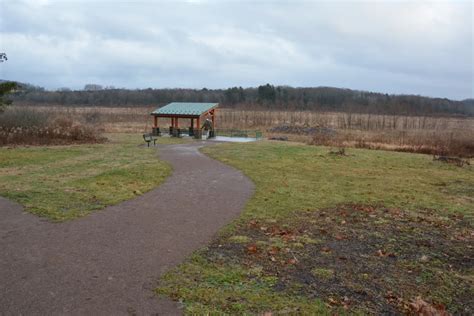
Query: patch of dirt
[{"x": 367, "y": 258}]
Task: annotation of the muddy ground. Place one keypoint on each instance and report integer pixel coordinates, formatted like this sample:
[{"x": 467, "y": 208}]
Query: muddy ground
[{"x": 362, "y": 258}]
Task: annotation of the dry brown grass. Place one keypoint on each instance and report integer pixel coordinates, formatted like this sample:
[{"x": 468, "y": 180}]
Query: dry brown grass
[
  {"x": 422, "y": 134},
  {"x": 431, "y": 135},
  {"x": 106, "y": 119},
  {"x": 24, "y": 126},
  {"x": 419, "y": 141}
]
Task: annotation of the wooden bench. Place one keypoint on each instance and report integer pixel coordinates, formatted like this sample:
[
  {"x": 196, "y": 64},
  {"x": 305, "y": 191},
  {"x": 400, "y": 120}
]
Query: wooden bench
[{"x": 148, "y": 138}]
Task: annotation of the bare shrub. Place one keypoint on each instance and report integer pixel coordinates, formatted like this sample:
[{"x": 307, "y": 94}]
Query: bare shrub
[
  {"x": 325, "y": 139},
  {"x": 27, "y": 126},
  {"x": 23, "y": 117},
  {"x": 93, "y": 117},
  {"x": 61, "y": 121}
]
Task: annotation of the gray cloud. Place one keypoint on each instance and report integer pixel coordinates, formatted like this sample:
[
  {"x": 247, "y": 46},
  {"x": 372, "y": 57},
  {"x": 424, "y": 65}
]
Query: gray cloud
[{"x": 396, "y": 47}]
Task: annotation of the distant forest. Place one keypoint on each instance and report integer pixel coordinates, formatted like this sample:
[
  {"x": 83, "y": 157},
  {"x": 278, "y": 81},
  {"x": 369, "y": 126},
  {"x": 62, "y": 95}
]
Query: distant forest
[{"x": 266, "y": 97}]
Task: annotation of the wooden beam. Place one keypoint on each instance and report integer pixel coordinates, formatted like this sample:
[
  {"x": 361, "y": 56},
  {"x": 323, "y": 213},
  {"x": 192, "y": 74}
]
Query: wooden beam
[
  {"x": 155, "y": 121},
  {"x": 175, "y": 115}
]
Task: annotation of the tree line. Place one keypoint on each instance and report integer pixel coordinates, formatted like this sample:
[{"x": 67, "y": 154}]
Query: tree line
[{"x": 261, "y": 97}]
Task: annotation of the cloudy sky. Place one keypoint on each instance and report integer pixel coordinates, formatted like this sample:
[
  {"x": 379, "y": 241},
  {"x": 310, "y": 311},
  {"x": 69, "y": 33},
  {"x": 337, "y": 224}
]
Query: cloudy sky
[{"x": 396, "y": 47}]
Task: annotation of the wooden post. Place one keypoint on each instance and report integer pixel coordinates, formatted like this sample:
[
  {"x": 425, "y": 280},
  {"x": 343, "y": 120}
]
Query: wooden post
[
  {"x": 197, "y": 133},
  {"x": 155, "y": 121},
  {"x": 213, "y": 115},
  {"x": 172, "y": 122},
  {"x": 177, "y": 124},
  {"x": 192, "y": 123}
]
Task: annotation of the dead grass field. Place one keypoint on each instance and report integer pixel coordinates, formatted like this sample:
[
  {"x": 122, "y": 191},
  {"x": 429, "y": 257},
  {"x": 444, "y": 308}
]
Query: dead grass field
[{"x": 431, "y": 135}]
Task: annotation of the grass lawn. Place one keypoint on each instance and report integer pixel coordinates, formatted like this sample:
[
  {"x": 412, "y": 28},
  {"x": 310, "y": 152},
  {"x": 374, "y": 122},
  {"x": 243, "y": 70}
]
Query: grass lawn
[
  {"x": 65, "y": 182},
  {"x": 370, "y": 232}
]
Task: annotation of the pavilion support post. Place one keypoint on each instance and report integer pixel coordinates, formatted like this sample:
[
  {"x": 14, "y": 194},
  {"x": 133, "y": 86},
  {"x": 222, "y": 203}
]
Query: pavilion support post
[
  {"x": 197, "y": 133},
  {"x": 191, "y": 128},
  {"x": 174, "y": 129},
  {"x": 155, "y": 130},
  {"x": 212, "y": 132},
  {"x": 213, "y": 118}
]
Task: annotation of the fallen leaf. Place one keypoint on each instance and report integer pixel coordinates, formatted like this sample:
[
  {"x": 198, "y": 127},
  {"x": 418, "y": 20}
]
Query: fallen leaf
[
  {"x": 252, "y": 248},
  {"x": 253, "y": 223},
  {"x": 292, "y": 261},
  {"x": 340, "y": 237},
  {"x": 423, "y": 308},
  {"x": 383, "y": 253},
  {"x": 288, "y": 237},
  {"x": 273, "y": 250},
  {"x": 326, "y": 249}
]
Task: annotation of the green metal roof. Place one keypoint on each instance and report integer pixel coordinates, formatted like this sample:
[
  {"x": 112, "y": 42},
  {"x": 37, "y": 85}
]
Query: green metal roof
[{"x": 185, "y": 108}]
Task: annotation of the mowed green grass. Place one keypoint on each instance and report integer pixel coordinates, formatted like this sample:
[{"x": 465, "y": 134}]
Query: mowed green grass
[
  {"x": 299, "y": 177},
  {"x": 65, "y": 182},
  {"x": 294, "y": 179}
]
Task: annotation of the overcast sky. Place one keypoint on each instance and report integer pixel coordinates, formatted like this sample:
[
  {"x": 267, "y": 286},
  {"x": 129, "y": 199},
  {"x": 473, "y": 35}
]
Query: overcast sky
[{"x": 410, "y": 47}]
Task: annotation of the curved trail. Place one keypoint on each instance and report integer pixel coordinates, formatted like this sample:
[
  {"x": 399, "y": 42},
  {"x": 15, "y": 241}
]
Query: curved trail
[{"x": 109, "y": 261}]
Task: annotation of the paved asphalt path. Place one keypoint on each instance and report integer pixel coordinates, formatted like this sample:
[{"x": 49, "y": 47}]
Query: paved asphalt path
[{"x": 108, "y": 262}]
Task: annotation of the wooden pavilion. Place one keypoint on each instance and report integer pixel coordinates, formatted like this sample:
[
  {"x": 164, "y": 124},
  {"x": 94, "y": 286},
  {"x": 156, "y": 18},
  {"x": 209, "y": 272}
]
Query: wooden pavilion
[{"x": 185, "y": 110}]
